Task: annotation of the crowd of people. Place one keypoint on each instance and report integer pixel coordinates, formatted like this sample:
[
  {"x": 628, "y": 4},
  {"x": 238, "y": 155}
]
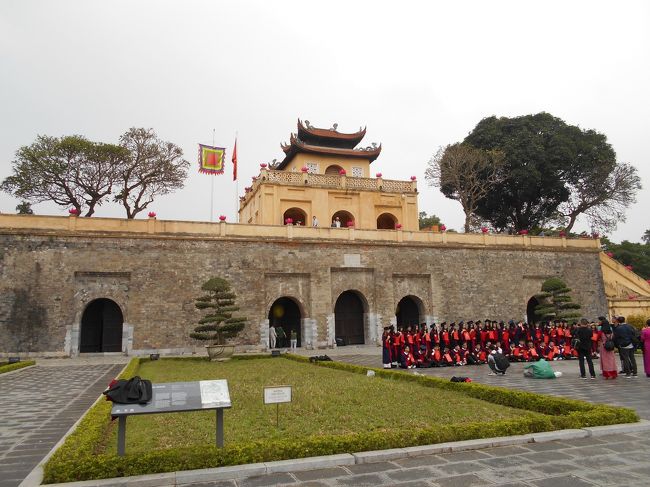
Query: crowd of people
[{"x": 473, "y": 342}]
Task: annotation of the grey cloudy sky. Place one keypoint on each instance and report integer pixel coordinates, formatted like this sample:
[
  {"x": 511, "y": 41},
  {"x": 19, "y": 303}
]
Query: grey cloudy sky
[{"x": 418, "y": 74}]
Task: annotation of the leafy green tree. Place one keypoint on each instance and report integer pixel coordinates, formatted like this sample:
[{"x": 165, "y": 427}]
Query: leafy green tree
[
  {"x": 555, "y": 303},
  {"x": 553, "y": 172},
  {"x": 24, "y": 208},
  {"x": 634, "y": 254},
  {"x": 465, "y": 174},
  {"x": 219, "y": 303},
  {"x": 152, "y": 168},
  {"x": 427, "y": 221},
  {"x": 646, "y": 237},
  {"x": 70, "y": 171}
]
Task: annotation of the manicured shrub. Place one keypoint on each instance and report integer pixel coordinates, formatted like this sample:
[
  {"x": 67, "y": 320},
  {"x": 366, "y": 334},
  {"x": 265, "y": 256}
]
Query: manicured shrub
[{"x": 15, "y": 366}]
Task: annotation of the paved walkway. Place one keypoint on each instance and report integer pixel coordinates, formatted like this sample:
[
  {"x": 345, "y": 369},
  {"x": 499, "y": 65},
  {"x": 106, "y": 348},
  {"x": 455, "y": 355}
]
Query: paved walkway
[
  {"x": 37, "y": 407},
  {"x": 616, "y": 460}
]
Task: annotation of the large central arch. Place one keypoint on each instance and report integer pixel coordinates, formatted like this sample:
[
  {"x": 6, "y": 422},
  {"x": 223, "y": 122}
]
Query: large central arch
[
  {"x": 101, "y": 327},
  {"x": 348, "y": 317},
  {"x": 286, "y": 313}
]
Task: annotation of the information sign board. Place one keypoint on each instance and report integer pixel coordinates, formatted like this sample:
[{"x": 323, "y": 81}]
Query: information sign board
[{"x": 276, "y": 395}]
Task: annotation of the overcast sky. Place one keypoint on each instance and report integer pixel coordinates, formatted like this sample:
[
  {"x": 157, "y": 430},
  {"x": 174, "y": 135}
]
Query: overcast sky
[{"x": 418, "y": 74}]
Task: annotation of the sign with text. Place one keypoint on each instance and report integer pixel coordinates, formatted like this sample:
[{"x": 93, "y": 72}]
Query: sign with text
[
  {"x": 180, "y": 396},
  {"x": 276, "y": 395}
]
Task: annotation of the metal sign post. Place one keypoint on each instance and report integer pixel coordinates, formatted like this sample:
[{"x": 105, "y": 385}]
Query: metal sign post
[{"x": 276, "y": 395}]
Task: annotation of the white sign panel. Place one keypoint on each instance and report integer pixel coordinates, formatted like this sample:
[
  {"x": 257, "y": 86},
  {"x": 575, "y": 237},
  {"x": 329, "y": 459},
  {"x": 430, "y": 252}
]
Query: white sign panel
[
  {"x": 276, "y": 395},
  {"x": 214, "y": 392}
]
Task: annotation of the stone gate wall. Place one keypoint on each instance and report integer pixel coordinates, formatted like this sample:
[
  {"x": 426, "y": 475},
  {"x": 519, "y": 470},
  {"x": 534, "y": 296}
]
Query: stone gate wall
[{"x": 49, "y": 277}]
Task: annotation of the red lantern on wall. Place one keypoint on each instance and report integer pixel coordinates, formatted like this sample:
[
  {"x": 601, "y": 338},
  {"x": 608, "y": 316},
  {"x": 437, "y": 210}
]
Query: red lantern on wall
[
  {"x": 443, "y": 228},
  {"x": 350, "y": 223},
  {"x": 398, "y": 226},
  {"x": 610, "y": 255},
  {"x": 288, "y": 221},
  {"x": 152, "y": 214},
  {"x": 628, "y": 267},
  {"x": 304, "y": 169},
  {"x": 342, "y": 172},
  {"x": 484, "y": 230},
  {"x": 222, "y": 218},
  {"x": 73, "y": 211},
  {"x": 413, "y": 178},
  {"x": 523, "y": 232},
  {"x": 562, "y": 233},
  {"x": 378, "y": 174}
]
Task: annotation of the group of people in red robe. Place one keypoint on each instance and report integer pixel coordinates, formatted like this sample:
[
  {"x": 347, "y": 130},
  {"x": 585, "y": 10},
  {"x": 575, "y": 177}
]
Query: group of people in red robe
[{"x": 469, "y": 343}]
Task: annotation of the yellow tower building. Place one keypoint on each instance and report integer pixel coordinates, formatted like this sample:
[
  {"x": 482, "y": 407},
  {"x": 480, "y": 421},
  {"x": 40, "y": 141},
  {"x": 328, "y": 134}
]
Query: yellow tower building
[{"x": 325, "y": 175}]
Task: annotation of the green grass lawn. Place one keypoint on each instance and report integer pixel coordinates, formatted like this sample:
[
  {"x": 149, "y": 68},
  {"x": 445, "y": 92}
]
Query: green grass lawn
[{"x": 325, "y": 401}]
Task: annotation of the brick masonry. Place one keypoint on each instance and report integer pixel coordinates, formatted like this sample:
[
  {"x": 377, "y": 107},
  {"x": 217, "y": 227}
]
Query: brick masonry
[{"x": 49, "y": 279}]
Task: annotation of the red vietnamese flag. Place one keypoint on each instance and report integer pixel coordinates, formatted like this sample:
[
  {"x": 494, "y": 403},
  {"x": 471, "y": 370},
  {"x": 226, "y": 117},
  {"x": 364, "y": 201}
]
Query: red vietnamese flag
[{"x": 234, "y": 162}]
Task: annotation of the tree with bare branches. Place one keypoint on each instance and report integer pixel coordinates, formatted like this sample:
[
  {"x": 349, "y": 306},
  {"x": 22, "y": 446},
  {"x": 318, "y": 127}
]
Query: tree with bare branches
[
  {"x": 153, "y": 168},
  {"x": 70, "y": 171},
  {"x": 465, "y": 174},
  {"x": 602, "y": 193}
]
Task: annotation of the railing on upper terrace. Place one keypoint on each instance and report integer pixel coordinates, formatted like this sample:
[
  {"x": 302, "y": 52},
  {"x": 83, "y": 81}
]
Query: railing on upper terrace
[
  {"x": 116, "y": 227},
  {"x": 329, "y": 181}
]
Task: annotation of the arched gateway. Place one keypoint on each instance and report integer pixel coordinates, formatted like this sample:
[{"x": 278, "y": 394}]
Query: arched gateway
[
  {"x": 348, "y": 314},
  {"x": 285, "y": 312},
  {"x": 408, "y": 311},
  {"x": 101, "y": 327}
]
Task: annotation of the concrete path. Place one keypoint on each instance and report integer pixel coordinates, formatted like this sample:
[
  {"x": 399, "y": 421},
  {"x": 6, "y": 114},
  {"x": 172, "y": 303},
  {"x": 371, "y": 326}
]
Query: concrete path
[
  {"x": 617, "y": 460},
  {"x": 37, "y": 407}
]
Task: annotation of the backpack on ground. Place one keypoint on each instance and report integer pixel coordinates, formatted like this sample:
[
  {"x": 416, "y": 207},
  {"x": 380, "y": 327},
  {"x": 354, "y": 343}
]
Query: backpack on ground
[
  {"x": 501, "y": 362},
  {"x": 131, "y": 391}
]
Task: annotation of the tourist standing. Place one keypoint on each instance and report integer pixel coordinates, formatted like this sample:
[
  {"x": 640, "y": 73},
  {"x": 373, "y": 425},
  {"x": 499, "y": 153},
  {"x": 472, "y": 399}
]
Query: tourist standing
[
  {"x": 645, "y": 345},
  {"x": 314, "y": 221},
  {"x": 583, "y": 345},
  {"x": 624, "y": 335},
  {"x": 606, "y": 350},
  {"x": 294, "y": 340},
  {"x": 272, "y": 336},
  {"x": 279, "y": 331}
]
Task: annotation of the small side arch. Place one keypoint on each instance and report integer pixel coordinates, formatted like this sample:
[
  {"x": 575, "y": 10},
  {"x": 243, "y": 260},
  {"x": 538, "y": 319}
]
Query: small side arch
[
  {"x": 410, "y": 311},
  {"x": 345, "y": 217},
  {"x": 293, "y": 216},
  {"x": 333, "y": 169},
  {"x": 386, "y": 221}
]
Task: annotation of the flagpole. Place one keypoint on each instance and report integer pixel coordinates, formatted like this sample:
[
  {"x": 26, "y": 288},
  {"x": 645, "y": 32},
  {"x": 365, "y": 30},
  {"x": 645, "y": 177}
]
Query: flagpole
[
  {"x": 237, "y": 185},
  {"x": 212, "y": 185}
]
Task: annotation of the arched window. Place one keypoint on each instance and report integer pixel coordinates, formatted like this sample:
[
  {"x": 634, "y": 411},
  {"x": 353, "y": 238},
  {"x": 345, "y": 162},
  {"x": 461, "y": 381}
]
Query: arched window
[
  {"x": 386, "y": 221},
  {"x": 333, "y": 169},
  {"x": 345, "y": 217},
  {"x": 294, "y": 215},
  {"x": 101, "y": 327}
]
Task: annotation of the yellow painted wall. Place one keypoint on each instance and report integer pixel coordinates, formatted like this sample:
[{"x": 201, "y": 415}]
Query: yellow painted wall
[
  {"x": 270, "y": 201},
  {"x": 622, "y": 284},
  {"x": 324, "y": 161}
]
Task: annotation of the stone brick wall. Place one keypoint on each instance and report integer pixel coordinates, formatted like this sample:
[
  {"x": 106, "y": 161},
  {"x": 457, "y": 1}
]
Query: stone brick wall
[{"x": 49, "y": 279}]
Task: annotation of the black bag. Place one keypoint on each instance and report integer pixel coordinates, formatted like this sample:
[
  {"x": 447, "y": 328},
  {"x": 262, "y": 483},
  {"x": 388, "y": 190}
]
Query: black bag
[
  {"x": 609, "y": 345},
  {"x": 501, "y": 362},
  {"x": 575, "y": 343},
  {"x": 132, "y": 391}
]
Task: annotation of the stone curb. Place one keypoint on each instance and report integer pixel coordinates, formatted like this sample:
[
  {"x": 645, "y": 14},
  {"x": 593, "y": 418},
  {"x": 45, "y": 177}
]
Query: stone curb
[{"x": 301, "y": 464}]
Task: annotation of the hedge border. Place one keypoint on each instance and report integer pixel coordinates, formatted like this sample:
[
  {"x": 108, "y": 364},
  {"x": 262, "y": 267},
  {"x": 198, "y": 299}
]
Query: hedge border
[
  {"x": 80, "y": 458},
  {"x": 15, "y": 366}
]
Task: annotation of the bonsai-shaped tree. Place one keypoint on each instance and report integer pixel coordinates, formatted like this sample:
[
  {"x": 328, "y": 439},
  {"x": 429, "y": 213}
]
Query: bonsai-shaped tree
[
  {"x": 218, "y": 324},
  {"x": 555, "y": 302}
]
